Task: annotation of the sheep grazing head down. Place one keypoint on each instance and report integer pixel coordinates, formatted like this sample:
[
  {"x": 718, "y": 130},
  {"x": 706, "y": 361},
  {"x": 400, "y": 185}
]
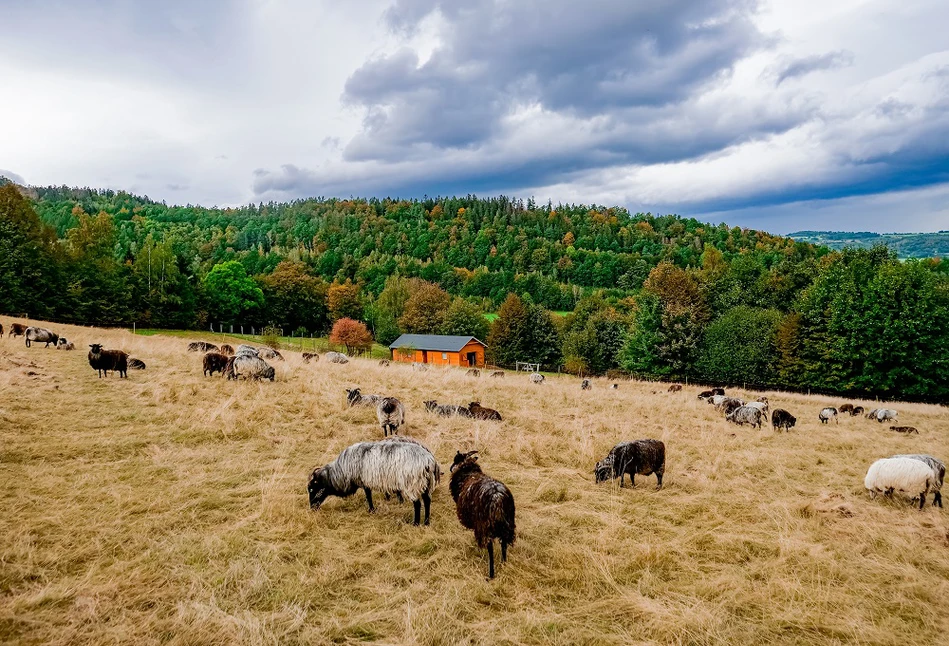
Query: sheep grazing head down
[
  {"x": 320, "y": 488},
  {"x": 603, "y": 470}
]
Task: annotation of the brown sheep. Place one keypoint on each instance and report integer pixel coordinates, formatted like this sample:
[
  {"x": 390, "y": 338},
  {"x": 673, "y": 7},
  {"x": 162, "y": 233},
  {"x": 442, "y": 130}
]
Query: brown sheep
[
  {"x": 102, "y": 361},
  {"x": 674, "y": 388},
  {"x": 227, "y": 350},
  {"x": 480, "y": 412},
  {"x": 214, "y": 362}
]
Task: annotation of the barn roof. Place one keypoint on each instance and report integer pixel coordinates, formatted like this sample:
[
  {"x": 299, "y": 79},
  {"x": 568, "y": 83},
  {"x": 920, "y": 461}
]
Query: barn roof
[{"x": 436, "y": 342}]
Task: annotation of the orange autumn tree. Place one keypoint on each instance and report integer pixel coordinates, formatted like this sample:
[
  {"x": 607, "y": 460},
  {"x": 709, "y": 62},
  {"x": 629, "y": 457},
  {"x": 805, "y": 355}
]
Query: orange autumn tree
[{"x": 352, "y": 334}]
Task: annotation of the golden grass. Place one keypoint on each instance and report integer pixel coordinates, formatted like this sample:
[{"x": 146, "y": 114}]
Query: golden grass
[{"x": 171, "y": 508}]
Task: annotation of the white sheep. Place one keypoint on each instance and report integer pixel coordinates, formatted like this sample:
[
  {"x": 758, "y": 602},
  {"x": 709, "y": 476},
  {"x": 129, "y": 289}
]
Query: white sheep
[
  {"x": 537, "y": 378},
  {"x": 886, "y": 415},
  {"x": 906, "y": 475}
]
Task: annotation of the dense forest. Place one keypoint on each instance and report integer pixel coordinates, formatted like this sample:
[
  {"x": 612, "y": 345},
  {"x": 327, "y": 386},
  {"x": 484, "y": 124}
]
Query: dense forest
[
  {"x": 906, "y": 245},
  {"x": 586, "y": 289}
]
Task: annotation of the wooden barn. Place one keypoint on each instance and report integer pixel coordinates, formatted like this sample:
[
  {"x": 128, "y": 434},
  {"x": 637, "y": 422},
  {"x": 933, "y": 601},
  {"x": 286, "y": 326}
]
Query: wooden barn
[{"x": 439, "y": 350}]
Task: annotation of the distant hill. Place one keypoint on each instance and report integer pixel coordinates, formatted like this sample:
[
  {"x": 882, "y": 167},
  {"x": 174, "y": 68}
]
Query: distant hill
[{"x": 906, "y": 245}]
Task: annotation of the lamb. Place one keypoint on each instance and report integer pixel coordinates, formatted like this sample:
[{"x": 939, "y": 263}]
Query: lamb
[
  {"x": 136, "y": 364},
  {"x": 400, "y": 466},
  {"x": 383, "y": 363},
  {"x": 310, "y": 356},
  {"x": 391, "y": 415},
  {"x": 201, "y": 346},
  {"x": 674, "y": 388},
  {"x": 102, "y": 361},
  {"x": 886, "y": 415},
  {"x": 537, "y": 378},
  {"x": 938, "y": 468},
  {"x": 480, "y": 412},
  {"x": 355, "y": 398},
  {"x": 473, "y": 372},
  {"x": 446, "y": 410},
  {"x": 905, "y": 429},
  {"x": 857, "y": 410},
  {"x": 913, "y": 477},
  {"x": 828, "y": 413},
  {"x": 498, "y": 374},
  {"x": 845, "y": 408},
  {"x": 483, "y": 504},
  {"x": 730, "y": 405},
  {"x": 746, "y": 415},
  {"x": 640, "y": 456},
  {"x": 780, "y": 418},
  {"x": 41, "y": 335},
  {"x": 17, "y": 329},
  {"x": 336, "y": 357},
  {"x": 249, "y": 367},
  {"x": 214, "y": 362},
  {"x": 65, "y": 344},
  {"x": 227, "y": 350}
]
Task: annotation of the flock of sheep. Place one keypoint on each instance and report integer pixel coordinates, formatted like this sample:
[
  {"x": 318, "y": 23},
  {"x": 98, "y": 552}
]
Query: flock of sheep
[{"x": 404, "y": 467}]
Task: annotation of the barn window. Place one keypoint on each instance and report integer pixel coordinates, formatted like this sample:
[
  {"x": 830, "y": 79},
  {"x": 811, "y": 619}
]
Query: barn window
[{"x": 444, "y": 355}]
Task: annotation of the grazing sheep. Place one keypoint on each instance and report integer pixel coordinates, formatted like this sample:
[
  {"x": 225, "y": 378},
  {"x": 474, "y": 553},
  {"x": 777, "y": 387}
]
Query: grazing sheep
[
  {"x": 906, "y": 475},
  {"x": 249, "y": 367},
  {"x": 41, "y": 335},
  {"x": 640, "y": 456},
  {"x": 201, "y": 346},
  {"x": 717, "y": 400},
  {"x": 17, "y": 329},
  {"x": 537, "y": 378},
  {"x": 419, "y": 367},
  {"x": 872, "y": 414},
  {"x": 674, "y": 388},
  {"x": 473, "y": 372},
  {"x": 938, "y": 468},
  {"x": 857, "y": 410},
  {"x": 400, "y": 466},
  {"x": 336, "y": 357},
  {"x": 746, "y": 415},
  {"x": 391, "y": 415},
  {"x": 886, "y": 415},
  {"x": 65, "y": 344},
  {"x": 136, "y": 364},
  {"x": 614, "y": 386},
  {"x": 269, "y": 353},
  {"x": 730, "y": 405},
  {"x": 498, "y": 374},
  {"x": 214, "y": 362},
  {"x": 446, "y": 410},
  {"x": 383, "y": 363},
  {"x": 905, "y": 429},
  {"x": 248, "y": 350},
  {"x": 780, "y": 418},
  {"x": 102, "y": 361},
  {"x": 827, "y": 414},
  {"x": 227, "y": 350},
  {"x": 585, "y": 384},
  {"x": 845, "y": 408},
  {"x": 480, "y": 412},
  {"x": 355, "y": 398},
  {"x": 483, "y": 504},
  {"x": 718, "y": 391},
  {"x": 310, "y": 356},
  {"x": 762, "y": 406}
]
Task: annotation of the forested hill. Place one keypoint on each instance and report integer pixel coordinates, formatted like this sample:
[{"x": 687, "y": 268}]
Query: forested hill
[
  {"x": 587, "y": 289},
  {"x": 906, "y": 245}
]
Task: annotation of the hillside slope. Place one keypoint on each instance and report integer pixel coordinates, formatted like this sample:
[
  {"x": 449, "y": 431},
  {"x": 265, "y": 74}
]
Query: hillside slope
[{"x": 906, "y": 245}]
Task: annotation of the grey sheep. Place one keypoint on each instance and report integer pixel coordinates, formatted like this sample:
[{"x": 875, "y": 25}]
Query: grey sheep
[
  {"x": 886, "y": 415},
  {"x": 336, "y": 357},
  {"x": 746, "y": 415},
  {"x": 354, "y": 397},
  {"x": 41, "y": 335},
  {"x": 391, "y": 415},
  {"x": 537, "y": 378},
  {"x": 827, "y": 414},
  {"x": 249, "y": 367},
  {"x": 644, "y": 457},
  {"x": 446, "y": 410},
  {"x": 399, "y": 466},
  {"x": 938, "y": 468}
]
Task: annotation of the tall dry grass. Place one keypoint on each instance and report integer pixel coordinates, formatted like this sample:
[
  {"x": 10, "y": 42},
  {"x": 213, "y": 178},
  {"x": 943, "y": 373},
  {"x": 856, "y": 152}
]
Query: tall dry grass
[{"x": 171, "y": 508}]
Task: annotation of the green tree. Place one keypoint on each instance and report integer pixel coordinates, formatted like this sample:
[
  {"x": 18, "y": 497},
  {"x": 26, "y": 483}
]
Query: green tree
[
  {"x": 295, "y": 298},
  {"x": 99, "y": 286},
  {"x": 741, "y": 347},
  {"x": 231, "y": 295},
  {"x": 343, "y": 301},
  {"x": 509, "y": 338},
  {"x": 464, "y": 318},
  {"x": 425, "y": 310}
]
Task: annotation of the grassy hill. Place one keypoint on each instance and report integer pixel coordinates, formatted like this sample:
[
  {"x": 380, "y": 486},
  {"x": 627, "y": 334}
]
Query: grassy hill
[
  {"x": 171, "y": 508},
  {"x": 906, "y": 245}
]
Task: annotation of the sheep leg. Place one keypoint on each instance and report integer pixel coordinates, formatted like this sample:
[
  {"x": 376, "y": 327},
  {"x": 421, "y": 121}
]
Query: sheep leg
[
  {"x": 369, "y": 499},
  {"x": 491, "y": 559},
  {"x": 503, "y": 551},
  {"x": 622, "y": 475},
  {"x": 417, "y": 504},
  {"x": 922, "y": 500},
  {"x": 659, "y": 478},
  {"x": 427, "y": 499}
]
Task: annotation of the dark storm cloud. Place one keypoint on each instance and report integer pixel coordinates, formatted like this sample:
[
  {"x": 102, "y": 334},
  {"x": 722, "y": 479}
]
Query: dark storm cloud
[{"x": 809, "y": 64}]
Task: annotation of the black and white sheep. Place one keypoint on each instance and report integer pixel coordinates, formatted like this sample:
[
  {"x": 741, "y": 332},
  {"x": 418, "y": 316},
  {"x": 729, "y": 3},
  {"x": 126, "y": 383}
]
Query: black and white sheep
[
  {"x": 484, "y": 505},
  {"x": 102, "y": 361},
  {"x": 746, "y": 415},
  {"x": 906, "y": 475},
  {"x": 310, "y": 356},
  {"x": 780, "y": 418},
  {"x": 473, "y": 372},
  {"x": 249, "y": 367},
  {"x": 136, "y": 364},
  {"x": 644, "y": 457},
  {"x": 938, "y": 467},
  {"x": 585, "y": 384},
  {"x": 828, "y": 413},
  {"x": 201, "y": 346},
  {"x": 537, "y": 378},
  {"x": 480, "y": 412},
  {"x": 65, "y": 344},
  {"x": 391, "y": 415},
  {"x": 446, "y": 410},
  {"x": 400, "y": 466},
  {"x": 384, "y": 363},
  {"x": 905, "y": 429},
  {"x": 40, "y": 335},
  {"x": 354, "y": 397}
]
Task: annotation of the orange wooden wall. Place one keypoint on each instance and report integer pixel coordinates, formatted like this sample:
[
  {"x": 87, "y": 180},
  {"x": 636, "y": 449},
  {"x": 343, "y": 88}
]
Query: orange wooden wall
[{"x": 436, "y": 358}]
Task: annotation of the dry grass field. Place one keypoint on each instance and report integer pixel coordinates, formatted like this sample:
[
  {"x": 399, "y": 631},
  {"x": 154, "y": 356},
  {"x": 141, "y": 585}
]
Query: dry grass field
[{"x": 172, "y": 508}]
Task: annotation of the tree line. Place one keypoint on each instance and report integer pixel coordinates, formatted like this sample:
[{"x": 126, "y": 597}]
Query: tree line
[{"x": 584, "y": 289}]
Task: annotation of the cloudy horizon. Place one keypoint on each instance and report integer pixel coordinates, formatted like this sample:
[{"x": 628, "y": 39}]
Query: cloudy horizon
[{"x": 768, "y": 114}]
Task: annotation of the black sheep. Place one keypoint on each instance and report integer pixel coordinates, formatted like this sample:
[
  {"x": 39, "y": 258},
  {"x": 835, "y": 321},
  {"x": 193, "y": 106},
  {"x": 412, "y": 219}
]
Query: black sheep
[
  {"x": 215, "y": 362},
  {"x": 106, "y": 360},
  {"x": 484, "y": 505},
  {"x": 780, "y": 418},
  {"x": 641, "y": 456}
]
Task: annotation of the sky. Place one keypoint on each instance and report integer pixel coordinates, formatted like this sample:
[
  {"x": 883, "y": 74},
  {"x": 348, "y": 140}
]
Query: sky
[{"x": 781, "y": 115}]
